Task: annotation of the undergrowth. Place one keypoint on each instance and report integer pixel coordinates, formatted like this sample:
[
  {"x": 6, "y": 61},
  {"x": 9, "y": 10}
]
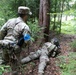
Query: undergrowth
[
  {"x": 67, "y": 64},
  {"x": 4, "y": 68}
]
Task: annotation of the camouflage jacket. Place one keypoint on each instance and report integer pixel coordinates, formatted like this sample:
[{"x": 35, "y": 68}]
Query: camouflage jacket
[{"x": 13, "y": 29}]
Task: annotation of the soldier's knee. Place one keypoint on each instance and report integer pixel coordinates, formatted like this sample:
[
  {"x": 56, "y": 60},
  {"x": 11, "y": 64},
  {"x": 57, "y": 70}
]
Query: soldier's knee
[
  {"x": 44, "y": 59},
  {"x": 34, "y": 55}
]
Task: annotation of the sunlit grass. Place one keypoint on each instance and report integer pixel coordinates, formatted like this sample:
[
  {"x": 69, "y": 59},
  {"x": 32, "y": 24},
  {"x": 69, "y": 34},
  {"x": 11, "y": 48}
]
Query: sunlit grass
[
  {"x": 68, "y": 30},
  {"x": 68, "y": 27}
]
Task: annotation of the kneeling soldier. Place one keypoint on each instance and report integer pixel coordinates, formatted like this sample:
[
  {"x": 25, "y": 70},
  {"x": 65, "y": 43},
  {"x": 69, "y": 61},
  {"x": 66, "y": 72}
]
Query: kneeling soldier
[{"x": 11, "y": 34}]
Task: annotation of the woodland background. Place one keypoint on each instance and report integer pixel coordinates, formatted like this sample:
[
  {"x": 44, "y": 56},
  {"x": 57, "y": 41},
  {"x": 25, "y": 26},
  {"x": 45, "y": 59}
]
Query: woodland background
[{"x": 50, "y": 18}]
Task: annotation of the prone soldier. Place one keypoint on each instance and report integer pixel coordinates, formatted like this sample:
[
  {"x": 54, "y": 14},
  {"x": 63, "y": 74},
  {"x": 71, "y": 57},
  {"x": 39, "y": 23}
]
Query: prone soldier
[{"x": 49, "y": 48}]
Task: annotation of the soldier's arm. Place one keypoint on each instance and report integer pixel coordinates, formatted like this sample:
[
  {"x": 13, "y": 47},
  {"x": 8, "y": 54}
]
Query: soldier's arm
[{"x": 26, "y": 34}]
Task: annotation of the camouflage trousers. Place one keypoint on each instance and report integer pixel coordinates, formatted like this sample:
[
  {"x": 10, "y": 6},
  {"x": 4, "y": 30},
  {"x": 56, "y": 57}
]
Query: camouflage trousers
[
  {"x": 42, "y": 54},
  {"x": 12, "y": 58},
  {"x": 43, "y": 60}
]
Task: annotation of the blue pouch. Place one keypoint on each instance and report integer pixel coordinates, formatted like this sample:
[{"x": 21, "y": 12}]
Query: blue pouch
[{"x": 27, "y": 37}]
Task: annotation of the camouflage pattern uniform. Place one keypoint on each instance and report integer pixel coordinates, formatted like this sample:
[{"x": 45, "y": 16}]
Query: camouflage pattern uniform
[
  {"x": 43, "y": 53},
  {"x": 10, "y": 33}
]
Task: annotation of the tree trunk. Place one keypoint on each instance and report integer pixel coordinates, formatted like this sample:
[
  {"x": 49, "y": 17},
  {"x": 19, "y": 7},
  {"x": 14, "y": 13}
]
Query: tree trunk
[
  {"x": 54, "y": 26},
  {"x": 41, "y": 13},
  {"x": 44, "y": 17},
  {"x": 62, "y": 5}
]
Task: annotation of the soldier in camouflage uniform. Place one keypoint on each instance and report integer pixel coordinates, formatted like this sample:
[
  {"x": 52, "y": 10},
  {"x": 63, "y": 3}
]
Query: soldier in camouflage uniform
[
  {"x": 49, "y": 48},
  {"x": 10, "y": 34}
]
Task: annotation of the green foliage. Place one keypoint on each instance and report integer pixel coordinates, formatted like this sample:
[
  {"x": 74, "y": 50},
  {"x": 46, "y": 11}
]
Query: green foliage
[
  {"x": 67, "y": 64},
  {"x": 68, "y": 27},
  {"x": 60, "y": 8},
  {"x": 35, "y": 30},
  {"x": 9, "y": 8},
  {"x": 32, "y": 4},
  {"x": 1, "y": 22},
  {"x": 4, "y": 68},
  {"x": 74, "y": 24}
]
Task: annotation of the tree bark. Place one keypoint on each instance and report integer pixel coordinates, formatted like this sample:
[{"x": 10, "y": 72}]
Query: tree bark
[
  {"x": 54, "y": 26},
  {"x": 44, "y": 17},
  {"x": 41, "y": 13},
  {"x": 62, "y": 6}
]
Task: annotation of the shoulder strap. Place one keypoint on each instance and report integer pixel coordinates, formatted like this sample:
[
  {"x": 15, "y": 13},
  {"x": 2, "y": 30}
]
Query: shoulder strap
[{"x": 21, "y": 39}]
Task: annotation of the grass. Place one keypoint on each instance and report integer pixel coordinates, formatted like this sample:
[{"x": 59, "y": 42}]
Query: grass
[
  {"x": 68, "y": 30},
  {"x": 67, "y": 64},
  {"x": 68, "y": 27}
]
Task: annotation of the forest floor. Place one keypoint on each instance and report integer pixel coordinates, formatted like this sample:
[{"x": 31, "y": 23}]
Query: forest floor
[
  {"x": 31, "y": 68},
  {"x": 52, "y": 68}
]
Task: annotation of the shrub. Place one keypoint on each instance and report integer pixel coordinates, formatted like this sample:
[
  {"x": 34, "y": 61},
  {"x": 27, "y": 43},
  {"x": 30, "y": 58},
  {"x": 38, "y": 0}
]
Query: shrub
[
  {"x": 35, "y": 30},
  {"x": 67, "y": 64},
  {"x": 4, "y": 68}
]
